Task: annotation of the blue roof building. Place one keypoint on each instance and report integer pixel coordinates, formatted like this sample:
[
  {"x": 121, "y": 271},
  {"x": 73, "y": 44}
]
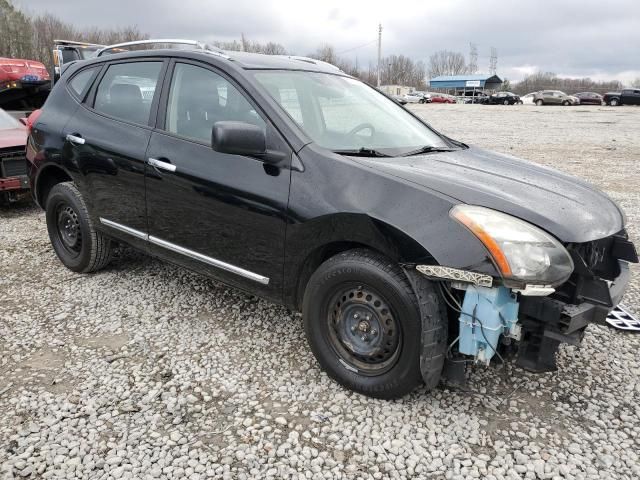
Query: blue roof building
[{"x": 466, "y": 82}]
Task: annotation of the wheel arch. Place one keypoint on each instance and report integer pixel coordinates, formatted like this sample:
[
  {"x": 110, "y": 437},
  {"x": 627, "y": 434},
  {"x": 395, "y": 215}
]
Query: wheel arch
[
  {"x": 48, "y": 176},
  {"x": 381, "y": 238}
]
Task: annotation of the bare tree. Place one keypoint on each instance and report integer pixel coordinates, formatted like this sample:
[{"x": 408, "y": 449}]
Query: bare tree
[
  {"x": 246, "y": 45},
  {"x": 15, "y": 32},
  {"x": 325, "y": 53},
  {"x": 32, "y": 37},
  {"x": 446, "y": 62}
]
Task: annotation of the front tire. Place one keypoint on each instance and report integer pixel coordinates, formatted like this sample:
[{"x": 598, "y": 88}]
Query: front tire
[
  {"x": 506, "y": 102},
  {"x": 74, "y": 239},
  {"x": 539, "y": 103},
  {"x": 614, "y": 102},
  {"x": 363, "y": 324}
]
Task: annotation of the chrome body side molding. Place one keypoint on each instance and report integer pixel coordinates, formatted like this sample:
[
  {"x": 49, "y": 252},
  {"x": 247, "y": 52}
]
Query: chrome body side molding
[
  {"x": 124, "y": 228},
  {"x": 186, "y": 252}
]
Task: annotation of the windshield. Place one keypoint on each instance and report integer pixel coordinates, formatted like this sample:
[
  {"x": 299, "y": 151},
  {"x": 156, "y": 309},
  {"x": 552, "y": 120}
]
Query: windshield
[
  {"x": 7, "y": 121},
  {"x": 341, "y": 113}
]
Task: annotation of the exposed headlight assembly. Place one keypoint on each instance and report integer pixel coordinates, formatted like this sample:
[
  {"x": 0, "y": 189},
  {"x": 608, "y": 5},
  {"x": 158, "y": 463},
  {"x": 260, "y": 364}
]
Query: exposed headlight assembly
[{"x": 521, "y": 252}]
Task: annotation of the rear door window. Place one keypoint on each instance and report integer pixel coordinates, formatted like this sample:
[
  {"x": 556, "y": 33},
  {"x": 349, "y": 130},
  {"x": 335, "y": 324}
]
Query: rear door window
[{"x": 127, "y": 89}]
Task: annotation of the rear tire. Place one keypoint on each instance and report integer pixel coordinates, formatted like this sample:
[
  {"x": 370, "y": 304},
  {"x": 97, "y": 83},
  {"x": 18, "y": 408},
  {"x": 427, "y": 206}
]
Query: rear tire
[
  {"x": 74, "y": 239},
  {"x": 363, "y": 323},
  {"x": 539, "y": 103}
]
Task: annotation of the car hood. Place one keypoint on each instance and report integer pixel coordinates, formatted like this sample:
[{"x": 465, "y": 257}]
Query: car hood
[
  {"x": 570, "y": 209},
  {"x": 13, "y": 137}
]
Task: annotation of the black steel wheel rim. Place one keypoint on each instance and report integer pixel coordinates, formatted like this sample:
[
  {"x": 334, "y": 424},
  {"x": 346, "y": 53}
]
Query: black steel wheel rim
[
  {"x": 68, "y": 229},
  {"x": 363, "y": 330}
]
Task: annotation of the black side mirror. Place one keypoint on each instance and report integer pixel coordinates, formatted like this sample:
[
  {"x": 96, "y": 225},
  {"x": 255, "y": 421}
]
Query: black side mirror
[{"x": 239, "y": 138}]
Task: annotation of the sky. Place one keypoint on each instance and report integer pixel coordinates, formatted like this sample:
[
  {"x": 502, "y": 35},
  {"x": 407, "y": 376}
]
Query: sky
[{"x": 574, "y": 38}]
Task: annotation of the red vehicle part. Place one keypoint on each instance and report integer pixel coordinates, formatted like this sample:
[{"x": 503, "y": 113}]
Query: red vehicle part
[
  {"x": 12, "y": 183},
  {"x": 17, "y": 71}
]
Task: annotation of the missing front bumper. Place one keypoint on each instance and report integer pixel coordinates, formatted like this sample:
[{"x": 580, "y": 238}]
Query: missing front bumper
[{"x": 547, "y": 322}]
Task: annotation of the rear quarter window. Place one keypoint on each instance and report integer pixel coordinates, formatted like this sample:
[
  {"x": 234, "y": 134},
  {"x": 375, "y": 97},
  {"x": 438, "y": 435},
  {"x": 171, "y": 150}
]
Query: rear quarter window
[{"x": 80, "y": 82}]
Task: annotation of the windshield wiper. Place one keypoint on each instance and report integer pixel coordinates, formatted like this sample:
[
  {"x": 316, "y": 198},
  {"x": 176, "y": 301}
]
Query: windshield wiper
[
  {"x": 428, "y": 149},
  {"x": 362, "y": 152}
]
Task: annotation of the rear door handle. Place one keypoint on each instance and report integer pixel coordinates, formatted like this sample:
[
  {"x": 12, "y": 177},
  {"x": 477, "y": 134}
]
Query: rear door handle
[
  {"x": 75, "y": 139},
  {"x": 162, "y": 164}
]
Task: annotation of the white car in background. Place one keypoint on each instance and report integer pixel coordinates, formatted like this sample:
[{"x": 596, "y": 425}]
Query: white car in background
[
  {"x": 528, "y": 98},
  {"x": 417, "y": 97}
]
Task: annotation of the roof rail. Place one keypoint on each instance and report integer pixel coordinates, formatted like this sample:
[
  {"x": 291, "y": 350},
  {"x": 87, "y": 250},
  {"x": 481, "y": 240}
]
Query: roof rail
[
  {"x": 73, "y": 42},
  {"x": 313, "y": 61},
  {"x": 124, "y": 45}
]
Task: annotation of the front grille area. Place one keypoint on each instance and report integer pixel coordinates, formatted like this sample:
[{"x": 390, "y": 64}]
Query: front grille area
[{"x": 13, "y": 162}]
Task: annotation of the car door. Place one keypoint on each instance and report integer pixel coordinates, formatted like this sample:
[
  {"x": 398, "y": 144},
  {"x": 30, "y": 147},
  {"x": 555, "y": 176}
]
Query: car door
[
  {"x": 217, "y": 213},
  {"x": 108, "y": 137}
]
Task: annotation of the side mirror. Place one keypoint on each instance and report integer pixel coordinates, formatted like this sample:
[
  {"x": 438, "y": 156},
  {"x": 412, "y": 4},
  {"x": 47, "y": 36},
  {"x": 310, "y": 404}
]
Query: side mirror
[{"x": 239, "y": 138}]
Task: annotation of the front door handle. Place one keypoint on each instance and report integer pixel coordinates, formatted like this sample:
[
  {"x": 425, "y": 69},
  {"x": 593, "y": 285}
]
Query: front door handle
[
  {"x": 163, "y": 164},
  {"x": 75, "y": 139}
]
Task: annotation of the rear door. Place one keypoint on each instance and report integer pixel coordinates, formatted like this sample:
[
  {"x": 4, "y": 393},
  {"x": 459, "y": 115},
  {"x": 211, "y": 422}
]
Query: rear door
[
  {"x": 217, "y": 213},
  {"x": 107, "y": 139}
]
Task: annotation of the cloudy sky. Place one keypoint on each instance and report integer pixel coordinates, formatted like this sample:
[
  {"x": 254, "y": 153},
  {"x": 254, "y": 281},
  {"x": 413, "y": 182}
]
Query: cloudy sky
[{"x": 569, "y": 37}]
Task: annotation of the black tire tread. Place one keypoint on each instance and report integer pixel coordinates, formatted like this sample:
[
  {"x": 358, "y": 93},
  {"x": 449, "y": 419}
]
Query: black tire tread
[
  {"x": 100, "y": 245},
  {"x": 397, "y": 387}
]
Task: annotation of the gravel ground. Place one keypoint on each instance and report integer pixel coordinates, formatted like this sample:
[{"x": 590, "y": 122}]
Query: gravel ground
[{"x": 148, "y": 371}]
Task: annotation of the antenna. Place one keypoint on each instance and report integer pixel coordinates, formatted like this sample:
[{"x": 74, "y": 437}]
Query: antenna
[
  {"x": 473, "y": 58},
  {"x": 493, "y": 61}
]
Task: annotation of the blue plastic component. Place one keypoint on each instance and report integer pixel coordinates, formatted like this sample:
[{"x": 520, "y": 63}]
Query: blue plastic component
[{"x": 486, "y": 314}]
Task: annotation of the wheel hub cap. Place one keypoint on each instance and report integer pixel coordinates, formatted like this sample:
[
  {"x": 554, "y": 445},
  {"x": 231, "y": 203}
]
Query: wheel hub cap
[
  {"x": 69, "y": 227},
  {"x": 363, "y": 330}
]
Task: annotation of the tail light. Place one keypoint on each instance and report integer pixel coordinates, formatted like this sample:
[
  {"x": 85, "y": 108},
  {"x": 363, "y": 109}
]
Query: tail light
[{"x": 32, "y": 119}]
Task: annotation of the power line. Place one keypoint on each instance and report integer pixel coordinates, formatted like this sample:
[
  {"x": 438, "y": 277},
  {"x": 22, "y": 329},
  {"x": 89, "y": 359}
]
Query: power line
[{"x": 356, "y": 48}]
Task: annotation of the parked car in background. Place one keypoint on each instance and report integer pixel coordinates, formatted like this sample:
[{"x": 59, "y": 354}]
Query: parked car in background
[
  {"x": 423, "y": 97},
  {"x": 66, "y": 51},
  {"x": 412, "y": 98},
  {"x": 504, "y": 98},
  {"x": 589, "y": 98},
  {"x": 23, "y": 83},
  {"x": 400, "y": 99},
  {"x": 475, "y": 96},
  {"x": 442, "y": 98},
  {"x": 628, "y": 96},
  {"x": 554, "y": 97},
  {"x": 528, "y": 98},
  {"x": 13, "y": 164}
]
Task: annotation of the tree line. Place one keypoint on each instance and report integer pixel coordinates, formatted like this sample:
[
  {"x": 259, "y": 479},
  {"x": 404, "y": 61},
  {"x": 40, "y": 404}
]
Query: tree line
[{"x": 32, "y": 36}]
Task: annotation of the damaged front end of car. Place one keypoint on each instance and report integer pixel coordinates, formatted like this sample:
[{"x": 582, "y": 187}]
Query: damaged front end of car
[{"x": 546, "y": 294}]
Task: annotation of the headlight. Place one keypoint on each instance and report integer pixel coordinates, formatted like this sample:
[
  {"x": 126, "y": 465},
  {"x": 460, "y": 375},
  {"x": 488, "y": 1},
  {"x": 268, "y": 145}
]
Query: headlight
[{"x": 520, "y": 250}]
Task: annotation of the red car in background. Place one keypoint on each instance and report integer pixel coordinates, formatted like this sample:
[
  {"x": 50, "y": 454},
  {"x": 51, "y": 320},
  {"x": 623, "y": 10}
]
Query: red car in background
[
  {"x": 442, "y": 98},
  {"x": 23, "y": 83},
  {"x": 15, "y": 72},
  {"x": 13, "y": 163}
]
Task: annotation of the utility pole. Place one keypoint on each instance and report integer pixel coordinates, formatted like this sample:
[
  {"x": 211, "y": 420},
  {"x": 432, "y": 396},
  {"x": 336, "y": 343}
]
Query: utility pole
[
  {"x": 473, "y": 58},
  {"x": 493, "y": 61},
  {"x": 379, "y": 50}
]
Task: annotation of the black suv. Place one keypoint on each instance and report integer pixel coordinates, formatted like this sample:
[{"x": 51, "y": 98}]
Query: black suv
[{"x": 287, "y": 178}]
